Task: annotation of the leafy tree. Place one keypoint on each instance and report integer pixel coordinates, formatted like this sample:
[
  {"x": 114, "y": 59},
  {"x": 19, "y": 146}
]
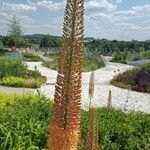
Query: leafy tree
[
  {"x": 50, "y": 41},
  {"x": 140, "y": 49},
  {"x": 14, "y": 31},
  {"x": 1, "y": 45}
]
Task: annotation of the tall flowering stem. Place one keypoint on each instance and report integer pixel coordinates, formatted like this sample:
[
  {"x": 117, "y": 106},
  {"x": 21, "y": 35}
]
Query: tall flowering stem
[
  {"x": 65, "y": 127},
  {"x": 109, "y": 102},
  {"x": 91, "y": 87},
  {"x": 92, "y": 134}
]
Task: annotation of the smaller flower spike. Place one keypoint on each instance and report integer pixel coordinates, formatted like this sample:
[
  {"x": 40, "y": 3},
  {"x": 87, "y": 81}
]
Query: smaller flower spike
[
  {"x": 91, "y": 87},
  {"x": 109, "y": 103},
  {"x": 92, "y": 135}
]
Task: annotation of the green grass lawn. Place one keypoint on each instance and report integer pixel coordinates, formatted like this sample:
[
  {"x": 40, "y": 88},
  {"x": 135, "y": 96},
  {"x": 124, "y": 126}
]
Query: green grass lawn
[
  {"x": 89, "y": 64},
  {"x": 24, "y": 123}
]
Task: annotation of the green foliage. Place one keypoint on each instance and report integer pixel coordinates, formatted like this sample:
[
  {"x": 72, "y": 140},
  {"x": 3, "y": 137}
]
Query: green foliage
[
  {"x": 137, "y": 79},
  {"x": 14, "y": 73},
  {"x": 146, "y": 55},
  {"x": 1, "y": 45},
  {"x": 15, "y": 31},
  {"x": 2, "y": 51},
  {"x": 122, "y": 58},
  {"x": 107, "y": 47},
  {"x": 31, "y": 57},
  {"x": 129, "y": 131},
  {"x": 50, "y": 41},
  {"x": 24, "y": 123},
  {"x": 11, "y": 67},
  {"x": 89, "y": 64},
  {"x": 146, "y": 66},
  {"x": 9, "y": 42},
  {"x": 125, "y": 57},
  {"x": 12, "y": 81},
  {"x": 21, "y": 82}
]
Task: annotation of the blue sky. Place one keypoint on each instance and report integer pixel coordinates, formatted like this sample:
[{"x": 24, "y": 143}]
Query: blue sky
[{"x": 110, "y": 19}]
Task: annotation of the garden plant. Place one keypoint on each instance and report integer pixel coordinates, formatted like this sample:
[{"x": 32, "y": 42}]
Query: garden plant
[{"x": 65, "y": 126}]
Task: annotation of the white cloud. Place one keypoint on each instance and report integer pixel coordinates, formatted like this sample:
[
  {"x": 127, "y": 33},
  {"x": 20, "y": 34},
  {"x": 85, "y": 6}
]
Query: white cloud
[
  {"x": 42, "y": 28},
  {"x": 25, "y": 19},
  {"x": 128, "y": 26},
  {"x": 100, "y": 4},
  {"x": 124, "y": 13},
  {"x": 4, "y": 16},
  {"x": 17, "y": 8},
  {"x": 118, "y": 1},
  {"x": 103, "y": 19},
  {"x": 145, "y": 9},
  {"x": 50, "y": 5},
  {"x": 136, "y": 11},
  {"x": 98, "y": 16},
  {"x": 147, "y": 22}
]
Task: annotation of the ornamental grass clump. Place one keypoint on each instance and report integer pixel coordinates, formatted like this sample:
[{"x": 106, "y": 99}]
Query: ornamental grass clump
[{"x": 65, "y": 127}]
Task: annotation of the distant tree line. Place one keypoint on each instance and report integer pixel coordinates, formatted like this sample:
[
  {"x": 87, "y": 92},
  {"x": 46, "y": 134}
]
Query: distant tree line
[
  {"x": 93, "y": 45},
  {"x": 15, "y": 38},
  {"x": 37, "y": 40},
  {"x": 107, "y": 47}
]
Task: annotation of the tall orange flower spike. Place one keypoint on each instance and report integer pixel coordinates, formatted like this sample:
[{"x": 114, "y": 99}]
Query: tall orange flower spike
[{"x": 65, "y": 127}]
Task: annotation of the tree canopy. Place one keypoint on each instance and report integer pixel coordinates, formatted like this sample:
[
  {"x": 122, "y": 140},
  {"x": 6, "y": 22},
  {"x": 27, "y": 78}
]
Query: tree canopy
[{"x": 14, "y": 31}]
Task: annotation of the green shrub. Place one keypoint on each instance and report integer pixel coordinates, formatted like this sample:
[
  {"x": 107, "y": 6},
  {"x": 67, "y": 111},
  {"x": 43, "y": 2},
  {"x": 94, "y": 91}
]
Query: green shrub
[
  {"x": 120, "y": 130},
  {"x": 125, "y": 57},
  {"x": 12, "y": 81},
  {"x": 31, "y": 57},
  {"x": 24, "y": 123},
  {"x": 137, "y": 79},
  {"x": 2, "y": 51},
  {"x": 1, "y": 45},
  {"x": 89, "y": 64},
  {"x": 21, "y": 82},
  {"x": 146, "y": 66},
  {"x": 11, "y": 67},
  {"x": 146, "y": 54},
  {"x": 122, "y": 58},
  {"x": 14, "y": 73}
]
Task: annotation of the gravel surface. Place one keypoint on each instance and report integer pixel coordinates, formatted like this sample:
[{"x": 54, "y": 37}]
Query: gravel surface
[
  {"x": 121, "y": 98},
  {"x": 16, "y": 90}
]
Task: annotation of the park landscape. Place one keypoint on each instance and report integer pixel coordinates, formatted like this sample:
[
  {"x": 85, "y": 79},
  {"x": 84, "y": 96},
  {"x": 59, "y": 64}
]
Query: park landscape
[{"x": 73, "y": 92}]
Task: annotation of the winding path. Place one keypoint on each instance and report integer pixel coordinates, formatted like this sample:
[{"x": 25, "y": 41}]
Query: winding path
[{"x": 121, "y": 98}]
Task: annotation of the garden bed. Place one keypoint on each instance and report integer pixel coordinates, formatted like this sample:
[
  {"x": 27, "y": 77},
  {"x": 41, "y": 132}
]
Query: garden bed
[
  {"x": 14, "y": 73},
  {"x": 89, "y": 64},
  {"x": 31, "y": 57},
  {"x": 24, "y": 124},
  {"x": 127, "y": 57},
  {"x": 137, "y": 79}
]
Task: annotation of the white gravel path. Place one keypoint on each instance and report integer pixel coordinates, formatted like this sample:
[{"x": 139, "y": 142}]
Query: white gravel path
[
  {"x": 17, "y": 90},
  {"x": 121, "y": 98}
]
